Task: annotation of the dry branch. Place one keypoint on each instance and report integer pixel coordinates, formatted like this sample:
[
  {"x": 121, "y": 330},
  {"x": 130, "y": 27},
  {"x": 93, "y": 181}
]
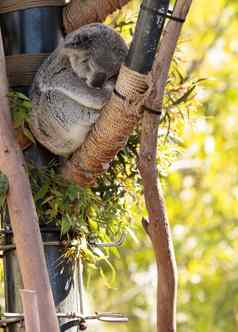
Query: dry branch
[
  {"x": 157, "y": 227},
  {"x": 81, "y": 12},
  {"x": 24, "y": 220}
]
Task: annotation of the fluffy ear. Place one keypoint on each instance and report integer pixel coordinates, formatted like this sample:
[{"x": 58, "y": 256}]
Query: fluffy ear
[{"x": 77, "y": 39}]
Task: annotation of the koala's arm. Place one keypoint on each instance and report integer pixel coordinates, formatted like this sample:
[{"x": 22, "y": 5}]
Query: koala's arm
[{"x": 76, "y": 89}]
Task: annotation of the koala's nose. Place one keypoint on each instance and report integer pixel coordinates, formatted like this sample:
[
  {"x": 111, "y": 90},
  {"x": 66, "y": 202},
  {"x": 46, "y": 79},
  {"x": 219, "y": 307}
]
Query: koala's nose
[{"x": 98, "y": 80}]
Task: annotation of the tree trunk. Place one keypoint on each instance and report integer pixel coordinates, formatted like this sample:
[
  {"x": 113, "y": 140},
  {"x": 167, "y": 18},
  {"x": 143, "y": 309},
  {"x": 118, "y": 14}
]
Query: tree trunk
[
  {"x": 157, "y": 227},
  {"x": 81, "y": 12}
]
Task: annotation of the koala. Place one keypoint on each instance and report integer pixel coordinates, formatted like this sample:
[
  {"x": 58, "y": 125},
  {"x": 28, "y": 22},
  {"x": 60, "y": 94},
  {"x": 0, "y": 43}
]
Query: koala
[{"x": 72, "y": 86}]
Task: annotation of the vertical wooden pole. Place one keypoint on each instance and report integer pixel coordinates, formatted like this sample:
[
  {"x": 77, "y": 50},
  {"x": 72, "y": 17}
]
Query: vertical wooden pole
[{"x": 24, "y": 220}]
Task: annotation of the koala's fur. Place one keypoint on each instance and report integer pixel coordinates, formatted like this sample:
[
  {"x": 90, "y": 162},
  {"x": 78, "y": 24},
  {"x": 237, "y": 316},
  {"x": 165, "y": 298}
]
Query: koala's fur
[{"x": 72, "y": 86}]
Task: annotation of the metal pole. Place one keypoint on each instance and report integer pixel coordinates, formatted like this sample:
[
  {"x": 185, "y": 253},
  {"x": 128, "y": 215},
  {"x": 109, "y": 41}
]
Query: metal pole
[
  {"x": 148, "y": 30},
  {"x": 81, "y": 290}
]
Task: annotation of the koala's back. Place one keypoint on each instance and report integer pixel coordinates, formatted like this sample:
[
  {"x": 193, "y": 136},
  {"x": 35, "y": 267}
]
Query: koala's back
[{"x": 64, "y": 105}]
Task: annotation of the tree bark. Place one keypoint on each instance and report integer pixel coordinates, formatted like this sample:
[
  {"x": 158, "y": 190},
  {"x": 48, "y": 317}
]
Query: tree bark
[
  {"x": 24, "y": 220},
  {"x": 81, "y": 12},
  {"x": 157, "y": 227}
]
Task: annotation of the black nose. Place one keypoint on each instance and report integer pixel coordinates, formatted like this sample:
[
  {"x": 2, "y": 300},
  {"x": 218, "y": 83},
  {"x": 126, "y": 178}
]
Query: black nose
[{"x": 98, "y": 80}]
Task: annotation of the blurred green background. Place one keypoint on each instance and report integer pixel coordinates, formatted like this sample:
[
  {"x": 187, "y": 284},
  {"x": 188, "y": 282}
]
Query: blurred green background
[
  {"x": 200, "y": 184},
  {"x": 200, "y": 180}
]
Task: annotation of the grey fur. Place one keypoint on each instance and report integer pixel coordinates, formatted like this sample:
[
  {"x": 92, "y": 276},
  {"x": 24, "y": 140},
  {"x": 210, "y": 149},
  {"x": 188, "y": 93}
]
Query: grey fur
[{"x": 73, "y": 85}]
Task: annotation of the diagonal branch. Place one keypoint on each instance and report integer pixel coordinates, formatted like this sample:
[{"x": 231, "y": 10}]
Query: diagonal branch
[
  {"x": 81, "y": 12},
  {"x": 157, "y": 227}
]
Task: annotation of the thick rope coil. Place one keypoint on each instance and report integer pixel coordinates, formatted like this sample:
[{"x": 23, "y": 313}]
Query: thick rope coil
[{"x": 111, "y": 131}]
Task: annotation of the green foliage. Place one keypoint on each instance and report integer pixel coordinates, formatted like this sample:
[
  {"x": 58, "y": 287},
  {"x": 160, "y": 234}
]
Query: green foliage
[
  {"x": 20, "y": 107},
  {"x": 81, "y": 211},
  {"x": 94, "y": 214}
]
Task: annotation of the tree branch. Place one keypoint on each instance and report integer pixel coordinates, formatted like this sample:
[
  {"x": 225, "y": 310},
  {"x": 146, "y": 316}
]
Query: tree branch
[
  {"x": 24, "y": 220},
  {"x": 158, "y": 227},
  {"x": 81, "y": 12}
]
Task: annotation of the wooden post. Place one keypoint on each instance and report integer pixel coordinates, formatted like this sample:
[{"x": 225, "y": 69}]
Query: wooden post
[{"x": 24, "y": 220}]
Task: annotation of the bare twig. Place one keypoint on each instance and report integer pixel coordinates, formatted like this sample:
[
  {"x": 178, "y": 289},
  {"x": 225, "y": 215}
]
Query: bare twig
[
  {"x": 22, "y": 212},
  {"x": 157, "y": 226}
]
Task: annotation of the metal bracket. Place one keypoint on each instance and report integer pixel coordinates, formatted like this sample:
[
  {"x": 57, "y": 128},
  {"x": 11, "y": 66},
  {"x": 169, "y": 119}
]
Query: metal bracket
[
  {"x": 116, "y": 243},
  {"x": 169, "y": 13},
  {"x": 76, "y": 319}
]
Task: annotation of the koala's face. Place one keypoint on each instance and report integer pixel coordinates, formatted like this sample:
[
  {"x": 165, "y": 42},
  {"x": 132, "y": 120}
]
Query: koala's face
[{"x": 96, "y": 53}]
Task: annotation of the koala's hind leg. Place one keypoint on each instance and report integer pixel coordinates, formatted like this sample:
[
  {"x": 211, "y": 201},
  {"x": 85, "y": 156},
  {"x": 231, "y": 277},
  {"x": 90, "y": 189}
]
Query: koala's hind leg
[{"x": 60, "y": 123}]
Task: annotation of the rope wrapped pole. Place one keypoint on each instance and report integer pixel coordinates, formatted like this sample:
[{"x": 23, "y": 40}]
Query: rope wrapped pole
[
  {"x": 120, "y": 116},
  {"x": 111, "y": 131},
  {"x": 22, "y": 212}
]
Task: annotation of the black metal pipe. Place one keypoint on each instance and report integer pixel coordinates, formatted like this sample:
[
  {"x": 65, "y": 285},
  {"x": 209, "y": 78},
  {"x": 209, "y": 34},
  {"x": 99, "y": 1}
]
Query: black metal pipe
[
  {"x": 148, "y": 30},
  {"x": 37, "y": 30},
  {"x": 81, "y": 326}
]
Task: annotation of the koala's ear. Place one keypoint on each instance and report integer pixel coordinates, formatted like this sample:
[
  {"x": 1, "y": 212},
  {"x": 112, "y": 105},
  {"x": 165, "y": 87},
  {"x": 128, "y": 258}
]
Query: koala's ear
[{"x": 77, "y": 40}]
